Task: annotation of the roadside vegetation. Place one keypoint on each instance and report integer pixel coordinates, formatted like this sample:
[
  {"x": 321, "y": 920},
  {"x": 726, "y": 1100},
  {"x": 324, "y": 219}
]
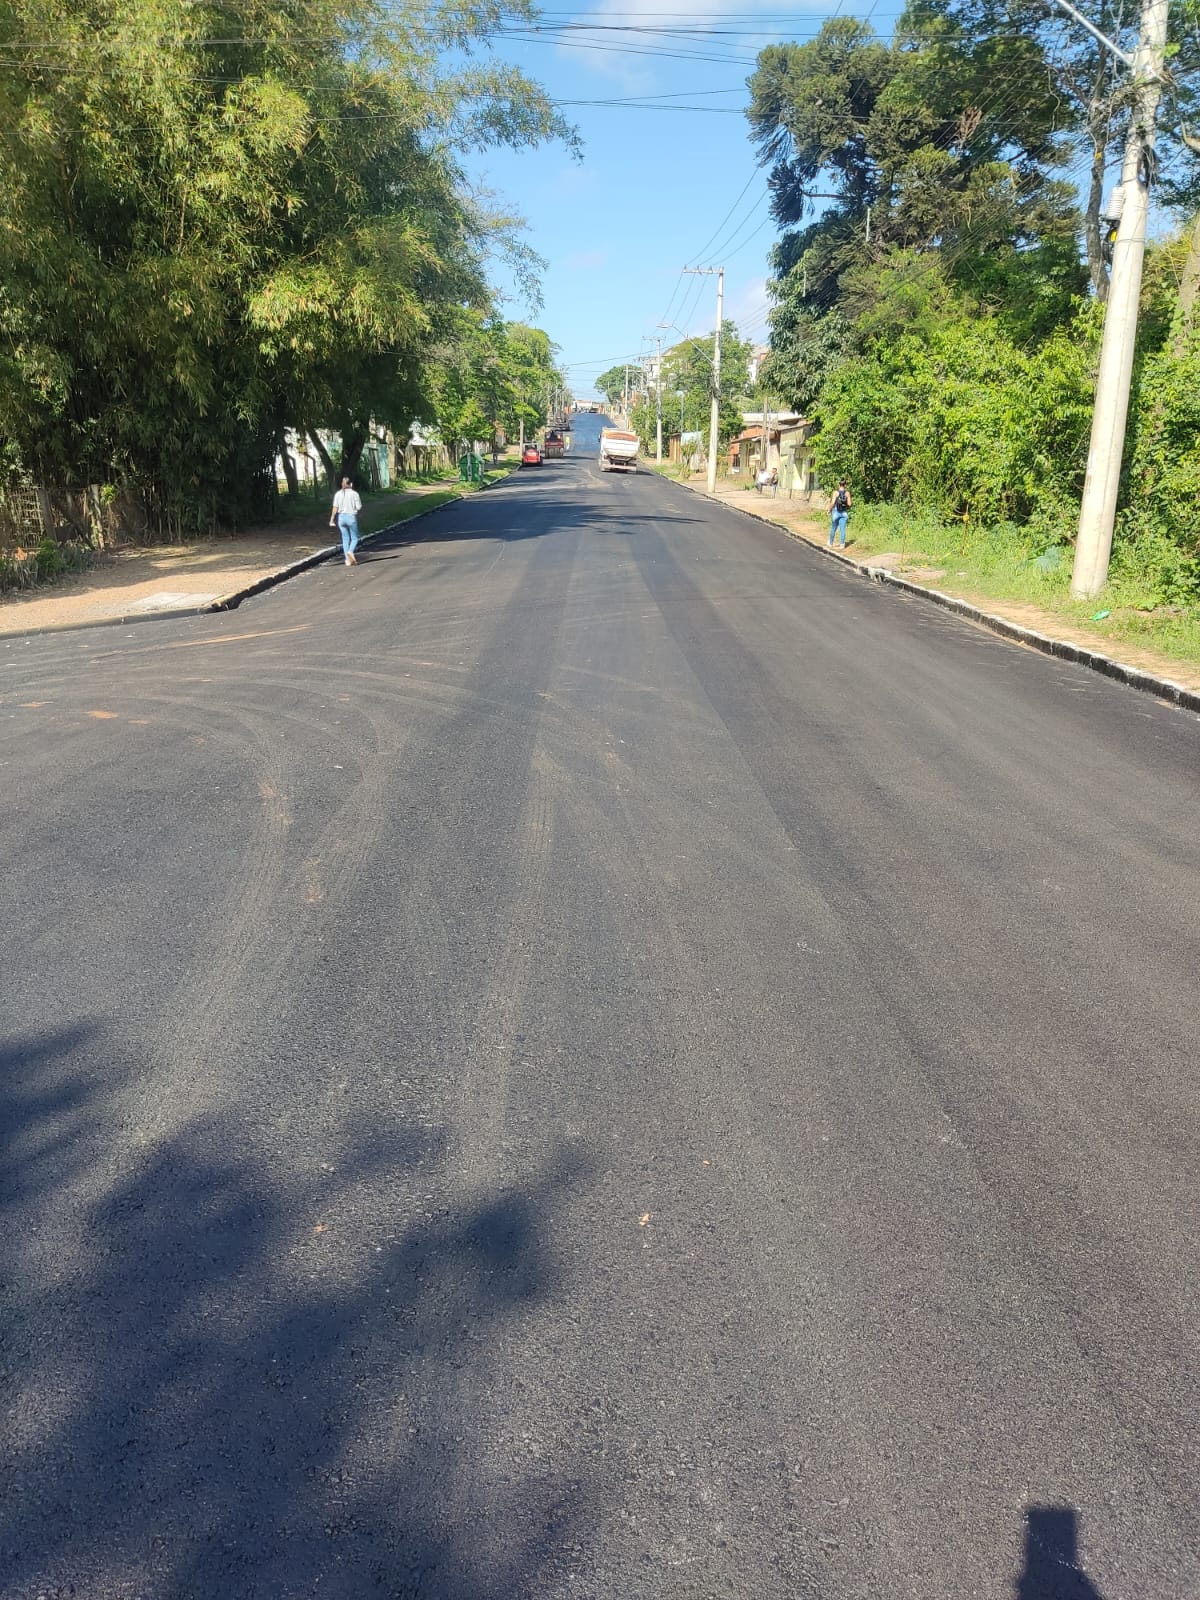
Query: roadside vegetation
[
  {"x": 939, "y": 322},
  {"x": 221, "y": 225}
]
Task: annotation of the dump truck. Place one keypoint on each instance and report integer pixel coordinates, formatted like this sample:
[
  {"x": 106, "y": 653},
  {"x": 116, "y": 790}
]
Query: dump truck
[{"x": 618, "y": 450}]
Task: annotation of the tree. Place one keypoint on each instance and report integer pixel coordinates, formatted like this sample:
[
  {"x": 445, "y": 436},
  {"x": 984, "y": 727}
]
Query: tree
[
  {"x": 689, "y": 366},
  {"x": 495, "y": 375},
  {"x": 612, "y": 384},
  {"x": 805, "y": 348},
  {"x": 937, "y": 321},
  {"x": 216, "y": 222},
  {"x": 942, "y": 139}
]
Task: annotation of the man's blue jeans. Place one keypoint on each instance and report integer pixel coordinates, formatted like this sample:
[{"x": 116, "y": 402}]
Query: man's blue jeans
[
  {"x": 348, "y": 528},
  {"x": 837, "y": 524}
]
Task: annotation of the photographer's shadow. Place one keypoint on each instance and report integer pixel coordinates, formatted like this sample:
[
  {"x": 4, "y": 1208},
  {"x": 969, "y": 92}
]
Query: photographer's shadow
[{"x": 1052, "y": 1570}]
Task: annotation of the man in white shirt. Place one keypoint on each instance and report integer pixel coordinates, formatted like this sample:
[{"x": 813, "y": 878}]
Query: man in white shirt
[{"x": 344, "y": 516}]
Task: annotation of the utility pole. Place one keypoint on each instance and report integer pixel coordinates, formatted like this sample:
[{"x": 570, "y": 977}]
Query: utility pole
[
  {"x": 766, "y": 435},
  {"x": 714, "y": 419},
  {"x": 1098, "y": 511},
  {"x": 658, "y": 399}
]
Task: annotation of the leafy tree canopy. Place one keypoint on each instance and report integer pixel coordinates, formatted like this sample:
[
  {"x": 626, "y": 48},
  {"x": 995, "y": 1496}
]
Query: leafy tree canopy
[
  {"x": 493, "y": 376},
  {"x": 932, "y": 313},
  {"x": 218, "y": 220},
  {"x": 612, "y": 382}
]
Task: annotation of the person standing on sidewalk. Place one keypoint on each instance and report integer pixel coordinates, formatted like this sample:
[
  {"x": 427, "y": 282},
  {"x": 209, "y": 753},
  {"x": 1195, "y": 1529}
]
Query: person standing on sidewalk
[
  {"x": 839, "y": 513},
  {"x": 344, "y": 516}
]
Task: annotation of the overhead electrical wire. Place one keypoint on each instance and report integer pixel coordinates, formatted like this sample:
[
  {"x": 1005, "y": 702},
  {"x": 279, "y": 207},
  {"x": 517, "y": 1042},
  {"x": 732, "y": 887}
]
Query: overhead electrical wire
[{"x": 642, "y": 37}]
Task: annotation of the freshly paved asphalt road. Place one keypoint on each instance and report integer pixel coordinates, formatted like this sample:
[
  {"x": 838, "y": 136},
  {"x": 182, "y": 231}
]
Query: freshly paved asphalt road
[{"x": 598, "y": 1055}]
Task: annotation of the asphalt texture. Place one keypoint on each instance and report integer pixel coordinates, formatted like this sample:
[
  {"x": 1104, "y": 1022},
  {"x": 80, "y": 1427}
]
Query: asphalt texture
[{"x": 596, "y": 1055}]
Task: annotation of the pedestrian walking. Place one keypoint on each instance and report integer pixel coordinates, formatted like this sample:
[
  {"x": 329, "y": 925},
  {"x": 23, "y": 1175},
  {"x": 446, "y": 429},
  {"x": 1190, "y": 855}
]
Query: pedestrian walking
[
  {"x": 839, "y": 514},
  {"x": 344, "y": 516}
]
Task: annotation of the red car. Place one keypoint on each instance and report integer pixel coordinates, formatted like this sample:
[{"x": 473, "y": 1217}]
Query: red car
[{"x": 531, "y": 456}]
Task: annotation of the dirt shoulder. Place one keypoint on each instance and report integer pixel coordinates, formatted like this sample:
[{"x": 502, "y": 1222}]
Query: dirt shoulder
[
  {"x": 156, "y": 580},
  {"x": 812, "y": 524}
]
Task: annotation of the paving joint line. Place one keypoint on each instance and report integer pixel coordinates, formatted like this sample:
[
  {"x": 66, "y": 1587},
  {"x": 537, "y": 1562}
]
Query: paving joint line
[{"x": 1175, "y": 694}]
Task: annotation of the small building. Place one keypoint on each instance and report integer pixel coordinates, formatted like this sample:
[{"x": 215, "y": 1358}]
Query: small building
[{"x": 789, "y": 451}]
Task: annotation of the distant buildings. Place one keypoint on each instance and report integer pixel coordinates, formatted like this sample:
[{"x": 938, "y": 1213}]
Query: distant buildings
[{"x": 757, "y": 356}]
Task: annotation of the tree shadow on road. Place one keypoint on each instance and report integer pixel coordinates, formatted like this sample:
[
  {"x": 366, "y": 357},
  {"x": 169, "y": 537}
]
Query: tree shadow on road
[
  {"x": 574, "y": 518},
  {"x": 245, "y": 1372}
]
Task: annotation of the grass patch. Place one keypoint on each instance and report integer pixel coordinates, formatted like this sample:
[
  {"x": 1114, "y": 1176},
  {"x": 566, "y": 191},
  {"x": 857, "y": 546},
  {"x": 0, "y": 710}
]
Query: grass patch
[{"x": 386, "y": 516}]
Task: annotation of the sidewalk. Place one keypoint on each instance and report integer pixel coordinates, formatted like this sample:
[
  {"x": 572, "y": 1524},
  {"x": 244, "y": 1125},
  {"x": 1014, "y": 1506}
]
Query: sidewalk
[
  {"x": 158, "y": 580},
  {"x": 811, "y": 523}
]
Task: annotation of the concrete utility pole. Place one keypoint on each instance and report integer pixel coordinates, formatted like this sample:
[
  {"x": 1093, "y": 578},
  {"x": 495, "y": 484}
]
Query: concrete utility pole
[
  {"x": 1099, "y": 508},
  {"x": 766, "y": 435},
  {"x": 714, "y": 419},
  {"x": 658, "y": 399}
]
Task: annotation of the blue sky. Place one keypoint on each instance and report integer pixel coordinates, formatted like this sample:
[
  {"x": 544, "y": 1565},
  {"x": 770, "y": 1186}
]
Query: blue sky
[{"x": 665, "y": 183}]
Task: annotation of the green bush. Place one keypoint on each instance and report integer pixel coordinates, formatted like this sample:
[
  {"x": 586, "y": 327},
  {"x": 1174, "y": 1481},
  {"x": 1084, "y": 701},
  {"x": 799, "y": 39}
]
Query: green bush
[
  {"x": 49, "y": 559},
  {"x": 959, "y": 420},
  {"x": 22, "y": 569}
]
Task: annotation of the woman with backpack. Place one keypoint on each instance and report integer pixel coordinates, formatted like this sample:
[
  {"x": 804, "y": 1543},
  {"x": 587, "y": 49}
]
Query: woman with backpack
[{"x": 839, "y": 513}]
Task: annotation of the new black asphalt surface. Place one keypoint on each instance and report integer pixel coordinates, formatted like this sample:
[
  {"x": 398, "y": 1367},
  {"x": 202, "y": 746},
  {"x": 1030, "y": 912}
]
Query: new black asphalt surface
[{"x": 596, "y": 1055}]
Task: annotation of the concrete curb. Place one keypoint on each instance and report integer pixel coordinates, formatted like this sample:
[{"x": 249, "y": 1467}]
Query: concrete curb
[
  {"x": 231, "y": 601},
  {"x": 105, "y": 622},
  {"x": 1133, "y": 677}
]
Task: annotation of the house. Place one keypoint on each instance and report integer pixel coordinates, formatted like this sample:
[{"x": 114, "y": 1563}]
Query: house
[{"x": 789, "y": 451}]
